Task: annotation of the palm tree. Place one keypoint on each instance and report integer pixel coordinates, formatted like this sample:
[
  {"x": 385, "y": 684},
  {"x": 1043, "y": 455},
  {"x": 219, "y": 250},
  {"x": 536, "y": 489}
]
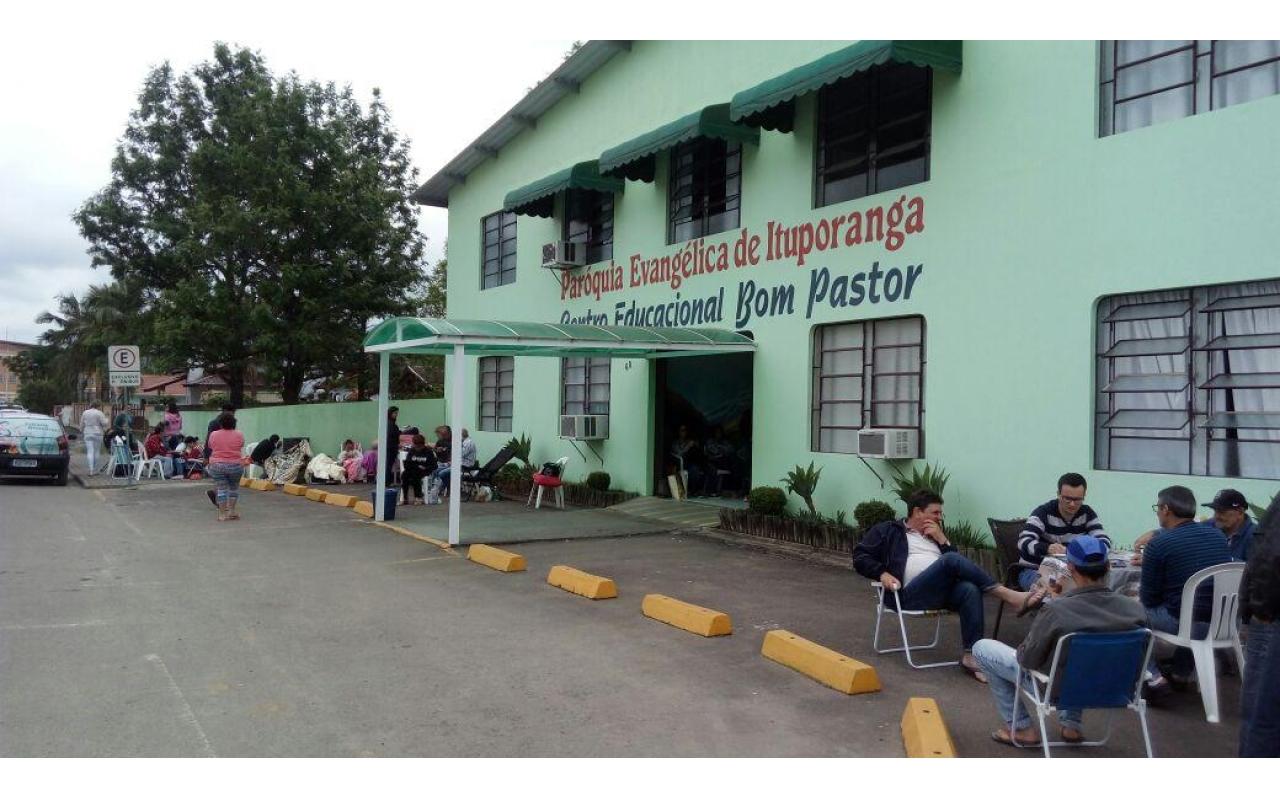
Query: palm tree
[{"x": 84, "y": 327}]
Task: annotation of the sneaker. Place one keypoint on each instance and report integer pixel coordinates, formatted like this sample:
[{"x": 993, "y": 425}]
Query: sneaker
[
  {"x": 1154, "y": 691},
  {"x": 213, "y": 496}
]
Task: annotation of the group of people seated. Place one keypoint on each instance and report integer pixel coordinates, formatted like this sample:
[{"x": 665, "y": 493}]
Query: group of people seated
[
  {"x": 411, "y": 461},
  {"x": 920, "y": 569},
  {"x": 710, "y": 466},
  {"x": 179, "y": 456}
]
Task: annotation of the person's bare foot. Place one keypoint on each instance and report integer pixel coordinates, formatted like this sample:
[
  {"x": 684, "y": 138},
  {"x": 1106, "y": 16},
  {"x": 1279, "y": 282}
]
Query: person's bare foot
[{"x": 1072, "y": 736}]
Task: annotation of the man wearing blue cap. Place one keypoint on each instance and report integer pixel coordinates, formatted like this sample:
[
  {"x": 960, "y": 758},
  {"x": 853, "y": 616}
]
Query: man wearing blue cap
[{"x": 1091, "y": 607}]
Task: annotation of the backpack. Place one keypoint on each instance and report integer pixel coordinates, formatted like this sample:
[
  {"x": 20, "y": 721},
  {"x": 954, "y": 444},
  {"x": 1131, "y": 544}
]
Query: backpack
[{"x": 551, "y": 469}]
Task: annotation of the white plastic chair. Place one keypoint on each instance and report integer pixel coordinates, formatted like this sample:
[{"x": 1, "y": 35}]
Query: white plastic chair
[
  {"x": 907, "y": 647},
  {"x": 537, "y": 489},
  {"x": 1224, "y": 628},
  {"x": 144, "y": 466},
  {"x": 251, "y": 470}
]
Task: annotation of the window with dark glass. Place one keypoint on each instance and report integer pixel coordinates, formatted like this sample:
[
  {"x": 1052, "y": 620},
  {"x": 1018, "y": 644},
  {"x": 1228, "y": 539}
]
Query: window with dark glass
[
  {"x": 1188, "y": 381},
  {"x": 499, "y": 253},
  {"x": 866, "y": 375},
  {"x": 873, "y": 133},
  {"x": 706, "y": 188},
  {"x": 1147, "y": 82},
  {"x": 588, "y": 220},
  {"x": 586, "y": 385},
  {"x": 497, "y": 392}
]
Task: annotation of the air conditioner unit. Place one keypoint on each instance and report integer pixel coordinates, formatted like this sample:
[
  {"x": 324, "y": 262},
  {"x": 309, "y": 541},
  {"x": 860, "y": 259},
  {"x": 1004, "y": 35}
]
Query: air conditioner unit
[
  {"x": 584, "y": 426},
  {"x": 888, "y": 443},
  {"x": 564, "y": 255}
]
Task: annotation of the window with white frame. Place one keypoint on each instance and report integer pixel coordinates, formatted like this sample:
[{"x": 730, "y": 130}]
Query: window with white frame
[
  {"x": 1147, "y": 82},
  {"x": 1188, "y": 381},
  {"x": 866, "y": 375},
  {"x": 586, "y": 385},
  {"x": 497, "y": 392}
]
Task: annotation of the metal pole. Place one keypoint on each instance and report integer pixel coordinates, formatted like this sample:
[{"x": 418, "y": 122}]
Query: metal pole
[
  {"x": 455, "y": 447},
  {"x": 384, "y": 402}
]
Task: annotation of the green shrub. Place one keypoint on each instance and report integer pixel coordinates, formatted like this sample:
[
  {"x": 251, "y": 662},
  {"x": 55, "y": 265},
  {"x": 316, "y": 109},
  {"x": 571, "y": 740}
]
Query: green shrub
[
  {"x": 598, "y": 481},
  {"x": 768, "y": 500},
  {"x": 969, "y": 536},
  {"x": 802, "y": 482},
  {"x": 872, "y": 513},
  {"x": 932, "y": 478}
]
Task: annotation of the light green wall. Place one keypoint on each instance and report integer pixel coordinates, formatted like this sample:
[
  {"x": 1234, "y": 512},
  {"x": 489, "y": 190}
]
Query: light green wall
[
  {"x": 326, "y": 424},
  {"x": 1030, "y": 218}
]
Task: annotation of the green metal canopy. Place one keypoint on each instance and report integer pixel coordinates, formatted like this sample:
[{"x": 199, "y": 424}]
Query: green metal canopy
[
  {"x": 634, "y": 159},
  {"x": 490, "y": 337},
  {"x": 537, "y": 198},
  {"x": 763, "y": 104}
]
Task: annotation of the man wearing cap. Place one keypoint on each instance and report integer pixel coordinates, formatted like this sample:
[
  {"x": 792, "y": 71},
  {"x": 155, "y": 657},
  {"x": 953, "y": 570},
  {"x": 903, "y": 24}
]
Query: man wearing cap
[
  {"x": 1180, "y": 549},
  {"x": 1091, "y": 607},
  {"x": 1231, "y": 516}
]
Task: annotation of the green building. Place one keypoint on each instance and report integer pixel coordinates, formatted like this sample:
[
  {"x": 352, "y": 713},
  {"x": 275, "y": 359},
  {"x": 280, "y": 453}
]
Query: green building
[{"x": 1013, "y": 259}]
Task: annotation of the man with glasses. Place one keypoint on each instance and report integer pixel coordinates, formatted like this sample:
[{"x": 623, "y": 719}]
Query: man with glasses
[
  {"x": 1052, "y": 525},
  {"x": 1182, "y": 548}
]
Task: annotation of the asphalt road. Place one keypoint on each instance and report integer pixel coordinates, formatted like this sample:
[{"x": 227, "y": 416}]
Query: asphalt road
[{"x": 133, "y": 624}]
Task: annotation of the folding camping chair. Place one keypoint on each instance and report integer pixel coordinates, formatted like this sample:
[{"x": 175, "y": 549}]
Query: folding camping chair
[
  {"x": 484, "y": 476},
  {"x": 883, "y": 608},
  {"x": 1089, "y": 670}
]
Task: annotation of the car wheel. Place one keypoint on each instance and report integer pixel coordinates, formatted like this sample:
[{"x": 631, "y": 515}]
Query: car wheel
[{"x": 60, "y": 479}]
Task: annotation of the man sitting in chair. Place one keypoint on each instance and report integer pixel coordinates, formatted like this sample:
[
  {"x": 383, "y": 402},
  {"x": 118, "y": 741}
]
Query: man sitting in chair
[
  {"x": 1051, "y": 525},
  {"x": 913, "y": 560},
  {"x": 1091, "y": 607}
]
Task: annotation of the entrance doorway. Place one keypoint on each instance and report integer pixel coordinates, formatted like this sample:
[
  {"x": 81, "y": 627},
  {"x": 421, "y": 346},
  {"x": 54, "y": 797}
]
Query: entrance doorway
[{"x": 702, "y": 425}]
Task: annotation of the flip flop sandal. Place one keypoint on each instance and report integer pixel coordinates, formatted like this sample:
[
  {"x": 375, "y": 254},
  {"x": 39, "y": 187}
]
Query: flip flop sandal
[
  {"x": 978, "y": 675},
  {"x": 1072, "y": 736},
  {"x": 1001, "y": 735}
]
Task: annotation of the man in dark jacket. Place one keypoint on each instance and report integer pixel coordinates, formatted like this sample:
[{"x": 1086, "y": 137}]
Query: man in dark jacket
[
  {"x": 916, "y": 563},
  {"x": 1090, "y": 607},
  {"x": 1260, "y": 602}
]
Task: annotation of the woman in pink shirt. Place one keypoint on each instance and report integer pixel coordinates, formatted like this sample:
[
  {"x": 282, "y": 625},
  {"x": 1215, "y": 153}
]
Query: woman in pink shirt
[
  {"x": 225, "y": 466},
  {"x": 172, "y": 426}
]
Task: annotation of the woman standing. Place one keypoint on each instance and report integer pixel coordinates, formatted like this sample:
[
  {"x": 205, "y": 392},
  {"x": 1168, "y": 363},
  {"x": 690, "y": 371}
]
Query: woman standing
[
  {"x": 392, "y": 453},
  {"x": 93, "y": 424},
  {"x": 172, "y": 426},
  {"x": 225, "y": 446}
]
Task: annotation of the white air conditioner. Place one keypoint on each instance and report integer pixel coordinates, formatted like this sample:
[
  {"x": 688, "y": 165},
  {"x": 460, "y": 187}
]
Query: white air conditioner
[
  {"x": 584, "y": 426},
  {"x": 888, "y": 443},
  {"x": 564, "y": 255}
]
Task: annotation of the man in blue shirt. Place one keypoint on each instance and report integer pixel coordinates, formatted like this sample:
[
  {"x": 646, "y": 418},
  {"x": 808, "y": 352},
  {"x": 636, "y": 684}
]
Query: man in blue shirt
[
  {"x": 1231, "y": 516},
  {"x": 1181, "y": 548}
]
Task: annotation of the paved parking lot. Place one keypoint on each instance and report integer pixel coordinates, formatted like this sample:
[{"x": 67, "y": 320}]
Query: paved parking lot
[{"x": 132, "y": 623}]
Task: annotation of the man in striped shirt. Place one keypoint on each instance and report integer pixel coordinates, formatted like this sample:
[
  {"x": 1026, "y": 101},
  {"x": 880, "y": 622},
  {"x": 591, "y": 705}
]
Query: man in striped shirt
[{"x": 1051, "y": 525}]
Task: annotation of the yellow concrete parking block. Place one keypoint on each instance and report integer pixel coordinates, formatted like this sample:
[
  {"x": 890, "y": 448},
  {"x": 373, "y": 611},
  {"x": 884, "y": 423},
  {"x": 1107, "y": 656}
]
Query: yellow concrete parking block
[
  {"x": 317, "y": 494},
  {"x": 824, "y": 665},
  {"x": 244, "y": 482},
  {"x": 590, "y": 586},
  {"x": 341, "y": 500},
  {"x": 364, "y": 508},
  {"x": 695, "y": 619},
  {"x": 924, "y": 734},
  {"x": 296, "y": 489},
  {"x": 492, "y": 557},
  {"x": 262, "y": 485}
]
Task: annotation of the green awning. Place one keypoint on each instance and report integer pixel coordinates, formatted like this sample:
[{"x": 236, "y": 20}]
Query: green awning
[
  {"x": 537, "y": 198},
  {"x": 490, "y": 337},
  {"x": 763, "y": 104},
  {"x": 634, "y": 159}
]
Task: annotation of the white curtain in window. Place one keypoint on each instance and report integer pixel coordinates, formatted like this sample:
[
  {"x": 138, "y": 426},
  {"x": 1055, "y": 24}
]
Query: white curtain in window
[
  {"x": 895, "y": 373},
  {"x": 1152, "y": 76},
  {"x": 1247, "y": 84}
]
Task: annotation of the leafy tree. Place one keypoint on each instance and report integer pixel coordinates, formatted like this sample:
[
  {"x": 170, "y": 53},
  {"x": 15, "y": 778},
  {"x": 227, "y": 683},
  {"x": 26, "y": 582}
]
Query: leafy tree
[
  {"x": 83, "y": 328},
  {"x": 267, "y": 218},
  {"x": 43, "y": 386}
]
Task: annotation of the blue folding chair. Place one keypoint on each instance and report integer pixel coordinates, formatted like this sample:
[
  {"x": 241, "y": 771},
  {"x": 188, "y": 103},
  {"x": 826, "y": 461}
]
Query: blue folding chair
[{"x": 1090, "y": 670}]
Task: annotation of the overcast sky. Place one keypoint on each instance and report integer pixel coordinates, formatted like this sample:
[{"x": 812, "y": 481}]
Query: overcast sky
[{"x": 68, "y": 80}]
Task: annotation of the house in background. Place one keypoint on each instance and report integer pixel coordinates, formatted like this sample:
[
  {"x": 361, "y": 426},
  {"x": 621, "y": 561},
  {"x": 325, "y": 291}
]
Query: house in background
[{"x": 9, "y": 380}]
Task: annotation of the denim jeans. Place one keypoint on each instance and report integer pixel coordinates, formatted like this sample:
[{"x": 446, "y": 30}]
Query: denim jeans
[
  {"x": 1159, "y": 619},
  {"x": 1027, "y": 578},
  {"x": 955, "y": 583},
  {"x": 227, "y": 478},
  {"x": 442, "y": 475},
  {"x": 1000, "y": 663},
  {"x": 1260, "y": 693}
]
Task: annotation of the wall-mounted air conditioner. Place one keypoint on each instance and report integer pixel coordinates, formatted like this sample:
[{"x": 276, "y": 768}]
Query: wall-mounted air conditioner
[
  {"x": 564, "y": 255},
  {"x": 584, "y": 426},
  {"x": 888, "y": 443}
]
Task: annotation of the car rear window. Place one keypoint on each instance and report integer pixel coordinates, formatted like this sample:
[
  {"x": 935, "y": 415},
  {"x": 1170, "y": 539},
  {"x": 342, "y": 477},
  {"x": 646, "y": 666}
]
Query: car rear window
[{"x": 29, "y": 435}]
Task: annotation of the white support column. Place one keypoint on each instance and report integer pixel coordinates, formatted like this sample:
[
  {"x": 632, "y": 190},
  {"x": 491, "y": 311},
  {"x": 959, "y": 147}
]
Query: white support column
[
  {"x": 384, "y": 402},
  {"x": 459, "y": 371}
]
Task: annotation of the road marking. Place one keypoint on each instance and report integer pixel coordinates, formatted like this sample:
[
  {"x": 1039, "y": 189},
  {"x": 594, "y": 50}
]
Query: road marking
[
  {"x": 91, "y": 623},
  {"x": 187, "y": 714}
]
